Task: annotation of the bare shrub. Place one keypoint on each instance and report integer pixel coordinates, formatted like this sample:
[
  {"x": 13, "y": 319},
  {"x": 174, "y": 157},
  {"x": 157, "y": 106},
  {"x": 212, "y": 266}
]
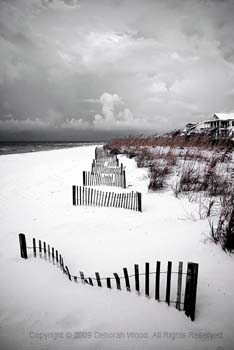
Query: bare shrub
[
  {"x": 171, "y": 158},
  {"x": 144, "y": 158},
  {"x": 190, "y": 178},
  {"x": 158, "y": 172},
  {"x": 172, "y": 140},
  {"x": 224, "y": 231}
]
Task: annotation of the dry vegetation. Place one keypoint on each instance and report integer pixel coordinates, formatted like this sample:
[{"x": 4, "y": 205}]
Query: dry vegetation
[{"x": 201, "y": 168}]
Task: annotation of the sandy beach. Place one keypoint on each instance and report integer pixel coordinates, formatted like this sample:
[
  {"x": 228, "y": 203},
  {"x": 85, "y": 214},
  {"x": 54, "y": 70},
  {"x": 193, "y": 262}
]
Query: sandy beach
[{"x": 38, "y": 300}]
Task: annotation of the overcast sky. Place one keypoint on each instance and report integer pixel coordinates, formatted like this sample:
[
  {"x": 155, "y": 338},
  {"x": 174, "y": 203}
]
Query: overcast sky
[{"x": 92, "y": 69}]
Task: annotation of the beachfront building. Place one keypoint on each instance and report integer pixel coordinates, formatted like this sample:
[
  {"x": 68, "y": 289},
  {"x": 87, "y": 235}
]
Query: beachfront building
[{"x": 221, "y": 125}]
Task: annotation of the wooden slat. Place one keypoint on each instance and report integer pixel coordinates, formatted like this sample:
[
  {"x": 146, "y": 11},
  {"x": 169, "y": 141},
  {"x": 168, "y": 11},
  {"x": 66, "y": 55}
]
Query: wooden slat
[
  {"x": 83, "y": 195},
  {"x": 40, "y": 251},
  {"x": 23, "y": 246},
  {"x": 48, "y": 251},
  {"x": 132, "y": 199},
  {"x": 157, "y": 281},
  {"x": 118, "y": 285},
  {"x": 194, "y": 291},
  {"x": 127, "y": 282},
  {"x": 103, "y": 199},
  {"x": 44, "y": 249},
  {"x": 53, "y": 253},
  {"x": 191, "y": 290},
  {"x": 82, "y": 276},
  {"x": 74, "y": 195},
  {"x": 168, "y": 287},
  {"x": 56, "y": 254},
  {"x": 108, "y": 282},
  {"x": 108, "y": 201},
  {"x": 34, "y": 247},
  {"x": 179, "y": 284},
  {"x": 84, "y": 179},
  {"x": 137, "y": 282},
  {"x": 68, "y": 273},
  {"x": 99, "y": 283},
  {"x": 62, "y": 265},
  {"x": 124, "y": 200},
  {"x": 129, "y": 200},
  {"x": 147, "y": 279},
  {"x": 124, "y": 179},
  {"x": 87, "y": 196},
  {"x": 121, "y": 200},
  {"x": 114, "y": 201},
  {"x": 139, "y": 201},
  {"x": 91, "y": 196},
  {"x": 86, "y": 201}
]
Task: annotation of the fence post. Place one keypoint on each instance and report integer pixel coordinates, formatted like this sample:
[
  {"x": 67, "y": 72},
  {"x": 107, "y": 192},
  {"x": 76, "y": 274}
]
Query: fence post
[
  {"x": 34, "y": 247},
  {"x": 84, "y": 183},
  {"x": 191, "y": 290},
  {"x": 124, "y": 179},
  {"x": 139, "y": 201},
  {"x": 168, "y": 289},
  {"x": 74, "y": 195},
  {"x": 147, "y": 279},
  {"x": 179, "y": 284},
  {"x": 157, "y": 281},
  {"x": 137, "y": 283},
  {"x": 44, "y": 249},
  {"x": 23, "y": 246},
  {"x": 125, "y": 270},
  {"x": 117, "y": 281}
]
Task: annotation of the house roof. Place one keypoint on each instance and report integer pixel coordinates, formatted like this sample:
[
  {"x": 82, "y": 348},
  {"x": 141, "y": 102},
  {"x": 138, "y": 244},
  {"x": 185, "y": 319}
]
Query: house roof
[{"x": 224, "y": 116}]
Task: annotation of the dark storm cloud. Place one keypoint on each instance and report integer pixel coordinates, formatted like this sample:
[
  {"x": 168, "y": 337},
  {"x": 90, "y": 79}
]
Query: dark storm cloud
[{"x": 95, "y": 68}]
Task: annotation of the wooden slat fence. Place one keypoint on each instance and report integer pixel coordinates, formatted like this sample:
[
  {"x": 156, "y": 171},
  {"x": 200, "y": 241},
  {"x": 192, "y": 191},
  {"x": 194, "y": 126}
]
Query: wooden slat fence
[
  {"x": 110, "y": 161},
  {"x": 102, "y": 169},
  {"x": 88, "y": 196},
  {"x": 107, "y": 170},
  {"x": 118, "y": 180},
  {"x": 100, "y": 152},
  {"x": 141, "y": 282}
]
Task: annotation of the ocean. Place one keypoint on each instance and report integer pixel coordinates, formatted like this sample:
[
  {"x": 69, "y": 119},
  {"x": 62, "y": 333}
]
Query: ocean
[{"x": 35, "y": 146}]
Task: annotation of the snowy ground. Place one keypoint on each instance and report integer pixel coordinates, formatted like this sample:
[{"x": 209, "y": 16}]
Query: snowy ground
[{"x": 41, "y": 309}]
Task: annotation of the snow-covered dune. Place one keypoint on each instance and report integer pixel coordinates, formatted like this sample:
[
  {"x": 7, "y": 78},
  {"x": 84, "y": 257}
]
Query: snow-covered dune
[{"x": 37, "y": 301}]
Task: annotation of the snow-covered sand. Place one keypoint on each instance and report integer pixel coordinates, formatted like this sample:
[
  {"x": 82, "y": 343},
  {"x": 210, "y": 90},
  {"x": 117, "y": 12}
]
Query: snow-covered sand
[{"x": 38, "y": 301}]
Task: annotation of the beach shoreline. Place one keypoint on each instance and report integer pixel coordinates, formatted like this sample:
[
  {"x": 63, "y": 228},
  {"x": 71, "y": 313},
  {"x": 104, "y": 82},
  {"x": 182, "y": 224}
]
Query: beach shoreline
[{"x": 17, "y": 147}]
